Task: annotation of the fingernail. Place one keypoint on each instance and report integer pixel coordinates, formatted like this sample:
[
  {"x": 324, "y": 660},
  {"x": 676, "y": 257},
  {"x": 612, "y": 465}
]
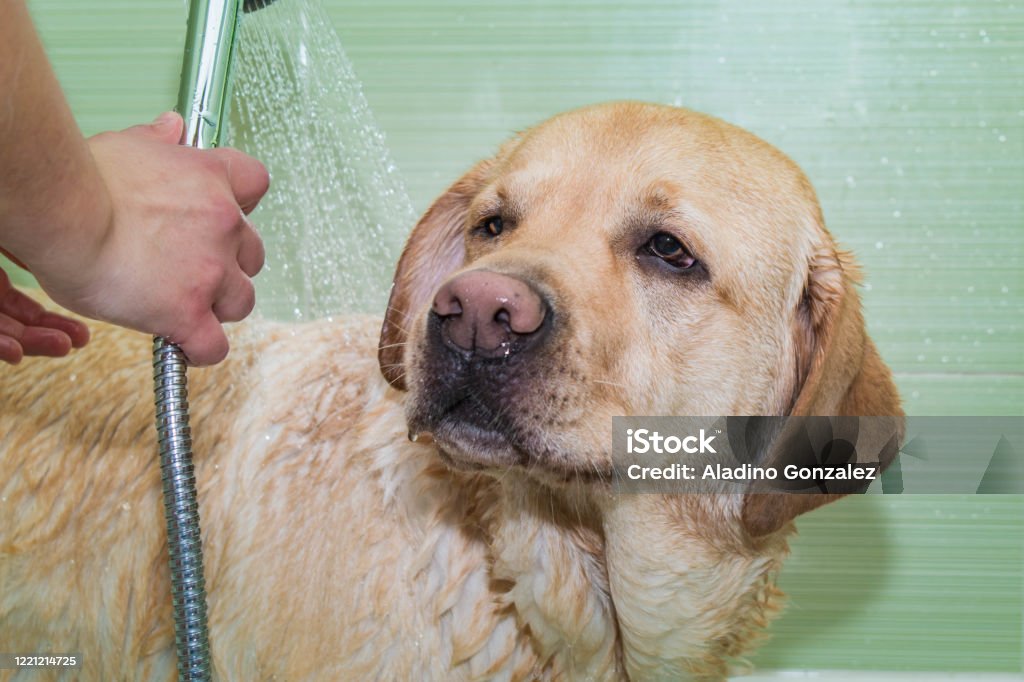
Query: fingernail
[{"x": 165, "y": 118}]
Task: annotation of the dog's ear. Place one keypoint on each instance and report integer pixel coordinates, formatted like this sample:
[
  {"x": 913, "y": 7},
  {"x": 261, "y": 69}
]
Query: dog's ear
[
  {"x": 434, "y": 250},
  {"x": 838, "y": 373}
]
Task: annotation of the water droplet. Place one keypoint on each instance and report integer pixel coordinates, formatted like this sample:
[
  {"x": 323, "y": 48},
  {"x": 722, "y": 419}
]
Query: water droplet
[{"x": 299, "y": 107}]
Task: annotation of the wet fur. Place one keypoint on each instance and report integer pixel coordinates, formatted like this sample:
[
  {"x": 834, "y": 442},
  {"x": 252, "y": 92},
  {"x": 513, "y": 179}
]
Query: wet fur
[{"x": 337, "y": 549}]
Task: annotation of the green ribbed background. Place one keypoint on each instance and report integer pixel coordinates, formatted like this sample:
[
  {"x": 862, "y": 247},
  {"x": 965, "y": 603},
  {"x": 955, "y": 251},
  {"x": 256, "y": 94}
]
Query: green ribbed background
[{"x": 909, "y": 119}]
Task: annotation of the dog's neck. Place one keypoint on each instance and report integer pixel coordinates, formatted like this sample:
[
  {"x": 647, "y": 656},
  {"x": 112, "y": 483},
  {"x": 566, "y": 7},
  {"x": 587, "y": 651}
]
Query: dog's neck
[
  {"x": 608, "y": 590},
  {"x": 548, "y": 547}
]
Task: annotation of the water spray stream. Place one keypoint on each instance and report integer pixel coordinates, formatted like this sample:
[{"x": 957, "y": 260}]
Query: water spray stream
[{"x": 337, "y": 210}]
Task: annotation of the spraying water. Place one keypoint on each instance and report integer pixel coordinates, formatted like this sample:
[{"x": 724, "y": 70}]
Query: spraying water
[{"x": 337, "y": 210}]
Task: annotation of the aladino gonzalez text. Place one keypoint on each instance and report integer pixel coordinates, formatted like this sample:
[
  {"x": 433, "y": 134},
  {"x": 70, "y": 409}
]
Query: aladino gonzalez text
[{"x": 644, "y": 441}]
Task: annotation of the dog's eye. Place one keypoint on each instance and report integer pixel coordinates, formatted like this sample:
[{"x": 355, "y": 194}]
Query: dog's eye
[
  {"x": 671, "y": 250},
  {"x": 492, "y": 226}
]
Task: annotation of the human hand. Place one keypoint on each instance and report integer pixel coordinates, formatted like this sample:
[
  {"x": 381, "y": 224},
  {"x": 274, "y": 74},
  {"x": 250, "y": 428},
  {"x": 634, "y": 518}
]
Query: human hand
[
  {"x": 26, "y": 328},
  {"x": 178, "y": 253}
]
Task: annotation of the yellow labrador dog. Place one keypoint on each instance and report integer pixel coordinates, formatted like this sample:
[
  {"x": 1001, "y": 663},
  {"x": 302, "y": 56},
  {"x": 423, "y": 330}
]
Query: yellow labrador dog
[{"x": 452, "y": 519}]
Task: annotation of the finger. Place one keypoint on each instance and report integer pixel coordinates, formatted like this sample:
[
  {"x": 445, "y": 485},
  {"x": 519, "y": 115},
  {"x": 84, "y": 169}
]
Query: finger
[
  {"x": 251, "y": 254},
  {"x": 33, "y": 340},
  {"x": 236, "y": 299},
  {"x": 30, "y": 312},
  {"x": 11, "y": 328},
  {"x": 19, "y": 306},
  {"x": 168, "y": 127},
  {"x": 51, "y": 343},
  {"x": 205, "y": 344},
  {"x": 247, "y": 177},
  {"x": 75, "y": 330},
  {"x": 10, "y": 350}
]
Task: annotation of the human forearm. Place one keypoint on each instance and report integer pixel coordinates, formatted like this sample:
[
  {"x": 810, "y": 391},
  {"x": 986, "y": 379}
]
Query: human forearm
[{"x": 53, "y": 202}]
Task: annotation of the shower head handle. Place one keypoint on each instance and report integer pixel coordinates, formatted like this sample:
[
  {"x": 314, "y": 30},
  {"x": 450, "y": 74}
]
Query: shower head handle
[{"x": 205, "y": 87}]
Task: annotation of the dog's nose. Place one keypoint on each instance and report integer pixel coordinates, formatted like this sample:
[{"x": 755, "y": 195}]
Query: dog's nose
[{"x": 486, "y": 312}]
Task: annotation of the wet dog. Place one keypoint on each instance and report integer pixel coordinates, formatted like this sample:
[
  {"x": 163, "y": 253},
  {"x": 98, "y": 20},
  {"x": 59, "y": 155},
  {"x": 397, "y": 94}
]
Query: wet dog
[{"x": 623, "y": 259}]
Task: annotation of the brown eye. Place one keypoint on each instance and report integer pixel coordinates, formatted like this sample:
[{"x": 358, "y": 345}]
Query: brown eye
[
  {"x": 493, "y": 226},
  {"x": 671, "y": 250}
]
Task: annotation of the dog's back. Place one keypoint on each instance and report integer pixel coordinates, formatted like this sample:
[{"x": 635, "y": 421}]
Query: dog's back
[{"x": 328, "y": 538}]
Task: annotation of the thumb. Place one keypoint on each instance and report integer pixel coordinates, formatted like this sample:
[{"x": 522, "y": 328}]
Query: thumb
[{"x": 167, "y": 127}]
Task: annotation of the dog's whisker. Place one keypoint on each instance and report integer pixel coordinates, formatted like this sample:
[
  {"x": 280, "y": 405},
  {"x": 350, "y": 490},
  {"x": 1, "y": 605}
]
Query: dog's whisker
[{"x": 404, "y": 314}]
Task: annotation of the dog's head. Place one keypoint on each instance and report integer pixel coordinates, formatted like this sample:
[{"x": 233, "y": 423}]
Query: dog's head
[{"x": 624, "y": 259}]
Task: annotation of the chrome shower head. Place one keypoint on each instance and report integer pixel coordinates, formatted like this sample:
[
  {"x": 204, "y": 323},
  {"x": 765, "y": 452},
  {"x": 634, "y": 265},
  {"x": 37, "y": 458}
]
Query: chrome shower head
[{"x": 205, "y": 74}]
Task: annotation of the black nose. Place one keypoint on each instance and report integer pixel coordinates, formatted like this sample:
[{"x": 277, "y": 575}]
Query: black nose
[{"x": 488, "y": 313}]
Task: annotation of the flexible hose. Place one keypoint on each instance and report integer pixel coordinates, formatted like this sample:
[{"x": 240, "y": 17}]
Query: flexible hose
[{"x": 181, "y": 509}]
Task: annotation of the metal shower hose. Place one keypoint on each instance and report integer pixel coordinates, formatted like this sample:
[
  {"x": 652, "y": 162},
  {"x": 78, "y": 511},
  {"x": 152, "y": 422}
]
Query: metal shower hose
[{"x": 181, "y": 508}]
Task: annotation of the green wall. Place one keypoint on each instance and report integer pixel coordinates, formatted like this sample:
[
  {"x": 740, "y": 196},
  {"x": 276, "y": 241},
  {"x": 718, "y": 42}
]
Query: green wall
[{"x": 907, "y": 116}]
